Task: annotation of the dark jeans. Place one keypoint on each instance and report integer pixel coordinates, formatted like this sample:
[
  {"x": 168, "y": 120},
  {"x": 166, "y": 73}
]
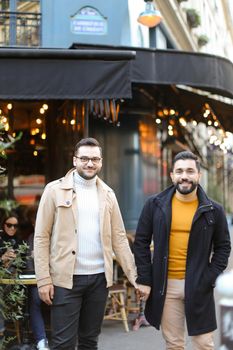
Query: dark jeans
[
  {"x": 79, "y": 312},
  {"x": 36, "y": 318}
]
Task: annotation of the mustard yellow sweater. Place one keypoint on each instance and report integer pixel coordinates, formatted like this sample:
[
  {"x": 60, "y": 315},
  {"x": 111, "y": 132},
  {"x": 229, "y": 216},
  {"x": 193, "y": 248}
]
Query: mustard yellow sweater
[{"x": 182, "y": 217}]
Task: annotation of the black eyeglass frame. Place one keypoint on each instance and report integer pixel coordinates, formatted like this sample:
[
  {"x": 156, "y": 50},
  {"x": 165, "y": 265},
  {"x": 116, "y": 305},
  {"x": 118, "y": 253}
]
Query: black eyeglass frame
[{"x": 85, "y": 160}]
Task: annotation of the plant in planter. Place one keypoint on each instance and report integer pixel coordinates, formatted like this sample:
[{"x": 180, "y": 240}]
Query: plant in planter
[
  {"x": 193, "y": 18},
  {"x": 202, "y": 40},
  {"x": 11, "y": 295}
]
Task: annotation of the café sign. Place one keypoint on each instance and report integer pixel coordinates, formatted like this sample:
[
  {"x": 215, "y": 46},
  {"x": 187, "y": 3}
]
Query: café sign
[{"x": 89, "y": 20}]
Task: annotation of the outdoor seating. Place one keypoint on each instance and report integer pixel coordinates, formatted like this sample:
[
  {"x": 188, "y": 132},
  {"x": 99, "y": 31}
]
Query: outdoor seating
[{"x": 116, "y": 308}]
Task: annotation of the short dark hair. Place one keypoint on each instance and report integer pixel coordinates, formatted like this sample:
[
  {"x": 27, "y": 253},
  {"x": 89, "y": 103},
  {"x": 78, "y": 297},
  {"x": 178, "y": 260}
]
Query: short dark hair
[
  {"x": 88, "y": 141},
  {"x": 186, "y": 155}
]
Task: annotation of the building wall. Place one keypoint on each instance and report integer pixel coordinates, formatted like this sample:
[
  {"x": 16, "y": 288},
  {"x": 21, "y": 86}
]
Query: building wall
[
  {"x": 216, "y": 23},
  {"x": 56, "y": 24},
  {"x": 131, "y": 156}
]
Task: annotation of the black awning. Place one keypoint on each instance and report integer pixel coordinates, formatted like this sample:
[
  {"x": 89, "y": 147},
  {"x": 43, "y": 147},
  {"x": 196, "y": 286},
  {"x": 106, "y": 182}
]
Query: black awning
[
  {"x": 36, "y": 74},
  {"x": 167, "y": 67},
  {"x": 172, "y": 67}
]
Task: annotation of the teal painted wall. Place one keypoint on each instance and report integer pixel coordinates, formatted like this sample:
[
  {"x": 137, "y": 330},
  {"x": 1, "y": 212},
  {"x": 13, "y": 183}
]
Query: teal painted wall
[{"x": 56, "y": 14}]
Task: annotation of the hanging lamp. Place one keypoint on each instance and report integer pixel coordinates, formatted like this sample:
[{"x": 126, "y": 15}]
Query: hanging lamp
[{"x": 150, "y": 17}]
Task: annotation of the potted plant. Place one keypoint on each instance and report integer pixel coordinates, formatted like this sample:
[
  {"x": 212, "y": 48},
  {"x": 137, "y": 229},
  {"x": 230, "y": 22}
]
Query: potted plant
[
  {"x": 202, "y": 40},
  {"x": 12, "y": 296},
  {"x": 193, "y": 18}
]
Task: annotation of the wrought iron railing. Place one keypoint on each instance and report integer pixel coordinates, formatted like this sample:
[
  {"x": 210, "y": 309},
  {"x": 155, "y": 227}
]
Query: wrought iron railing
[{"x": 20, "y": 28}]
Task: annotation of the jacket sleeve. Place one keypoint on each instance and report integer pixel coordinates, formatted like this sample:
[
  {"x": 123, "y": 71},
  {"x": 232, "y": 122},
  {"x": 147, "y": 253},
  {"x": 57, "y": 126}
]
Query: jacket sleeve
[
  {"x": 142, "y": 244},
  {"x": 221, "y": 245},
  {"x": 120, "y": 244},
  {"x": 43, "y": 231}
]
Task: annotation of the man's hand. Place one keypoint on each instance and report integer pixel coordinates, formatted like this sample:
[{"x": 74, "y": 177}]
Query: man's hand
[
  {"x": 46, "y": 293},
  {"x": 143, "y": 291}
]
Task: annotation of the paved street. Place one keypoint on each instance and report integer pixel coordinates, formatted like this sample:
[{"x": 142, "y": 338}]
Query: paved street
[{"x": 115, "y": 338}]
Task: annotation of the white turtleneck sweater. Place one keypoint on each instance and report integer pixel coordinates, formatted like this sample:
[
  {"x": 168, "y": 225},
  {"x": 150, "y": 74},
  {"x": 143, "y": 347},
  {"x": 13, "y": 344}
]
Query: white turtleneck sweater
[{"x": 90, "y": 258}]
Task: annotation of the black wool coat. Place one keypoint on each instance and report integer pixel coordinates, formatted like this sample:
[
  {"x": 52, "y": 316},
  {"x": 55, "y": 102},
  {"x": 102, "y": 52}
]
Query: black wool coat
[{"x": 207, "y": 256}]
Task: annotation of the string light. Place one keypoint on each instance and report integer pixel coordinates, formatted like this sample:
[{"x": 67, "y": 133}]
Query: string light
[
  {"x": 182, "y": 121},
  {"x": 38, "y": 121}
]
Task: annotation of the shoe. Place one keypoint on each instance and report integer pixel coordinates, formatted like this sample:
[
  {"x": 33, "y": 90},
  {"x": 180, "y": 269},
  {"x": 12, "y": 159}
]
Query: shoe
[
  {"x": 43, "y": 345},
  {"x": 140, "y": 321}
]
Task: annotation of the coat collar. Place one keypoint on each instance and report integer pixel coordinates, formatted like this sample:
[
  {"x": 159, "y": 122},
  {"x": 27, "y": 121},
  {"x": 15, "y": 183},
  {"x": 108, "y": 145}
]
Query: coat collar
[
  {"x": 67, "y": 183},
  {"x": 165, "y": 197}
]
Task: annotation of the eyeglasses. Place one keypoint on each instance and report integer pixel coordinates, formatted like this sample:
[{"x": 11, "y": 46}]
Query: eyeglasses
[
  {"x": 85, "y": 160},
  {"x": 9, "y": 225}
]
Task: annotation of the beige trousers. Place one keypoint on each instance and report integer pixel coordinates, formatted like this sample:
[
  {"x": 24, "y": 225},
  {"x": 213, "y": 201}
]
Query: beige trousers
[{"x": 173, "y": 321}]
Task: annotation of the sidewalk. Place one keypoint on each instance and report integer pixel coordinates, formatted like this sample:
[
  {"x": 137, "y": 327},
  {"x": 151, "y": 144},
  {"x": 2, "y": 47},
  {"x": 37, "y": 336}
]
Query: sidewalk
[
  {"x": 146, "y": 338},
  {"x": 114, "y": 337}
]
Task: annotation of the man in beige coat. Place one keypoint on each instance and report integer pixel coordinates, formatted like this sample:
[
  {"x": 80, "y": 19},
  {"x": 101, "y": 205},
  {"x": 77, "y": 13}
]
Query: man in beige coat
[{"x": 78, "y": 228}]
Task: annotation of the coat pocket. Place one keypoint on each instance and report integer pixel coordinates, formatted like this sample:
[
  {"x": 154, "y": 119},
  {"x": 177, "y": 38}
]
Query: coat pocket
[
  {"x": 207, "y": 281},
  {"x": 66, "y": 203}
]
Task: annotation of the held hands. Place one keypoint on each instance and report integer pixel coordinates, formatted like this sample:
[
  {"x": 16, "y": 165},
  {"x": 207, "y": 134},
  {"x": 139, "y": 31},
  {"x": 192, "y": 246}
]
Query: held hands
[
  {"x": 143, "y": 291},
  {"x": 46, "y": 293}
]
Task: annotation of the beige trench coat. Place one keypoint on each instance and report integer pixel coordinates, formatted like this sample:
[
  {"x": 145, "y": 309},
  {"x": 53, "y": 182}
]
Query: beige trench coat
[{"x": 55, "y": 240}]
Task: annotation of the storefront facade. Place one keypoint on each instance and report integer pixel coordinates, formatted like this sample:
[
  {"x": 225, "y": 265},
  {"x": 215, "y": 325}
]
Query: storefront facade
[{"x": 132, "y": 108}]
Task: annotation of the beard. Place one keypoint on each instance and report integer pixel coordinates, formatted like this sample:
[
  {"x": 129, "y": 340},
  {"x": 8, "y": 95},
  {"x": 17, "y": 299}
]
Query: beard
[
  {"x": 88, "y": 173},
  {"x": 182, "y": 190}
]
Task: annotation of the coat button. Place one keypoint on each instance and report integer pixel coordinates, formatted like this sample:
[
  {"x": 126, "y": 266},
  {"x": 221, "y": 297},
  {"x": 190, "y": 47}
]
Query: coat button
[
  {"x": 73, "y": 252},
  {"x": 68, "y": 202}
]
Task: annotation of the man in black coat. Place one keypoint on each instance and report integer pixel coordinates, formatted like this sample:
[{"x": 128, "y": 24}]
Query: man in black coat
[{"x": 191, "y": 248}]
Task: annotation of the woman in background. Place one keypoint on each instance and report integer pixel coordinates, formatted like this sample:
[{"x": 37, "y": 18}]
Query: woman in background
[{"x": 9, "y": 242}]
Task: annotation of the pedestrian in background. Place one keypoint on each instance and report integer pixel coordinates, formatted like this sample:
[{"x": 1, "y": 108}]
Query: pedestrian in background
[
  {"x": 78, "y": 228},
  {"x": 191, "y": 248}
]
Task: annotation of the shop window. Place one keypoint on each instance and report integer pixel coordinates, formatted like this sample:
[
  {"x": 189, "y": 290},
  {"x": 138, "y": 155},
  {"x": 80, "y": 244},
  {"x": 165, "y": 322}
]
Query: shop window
[
  {"x": 25, "y": 162},
  {"x": 20, "y": 23}
]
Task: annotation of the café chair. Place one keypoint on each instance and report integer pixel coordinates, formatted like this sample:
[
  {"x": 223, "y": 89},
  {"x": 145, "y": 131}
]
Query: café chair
[
  {"x": 116, "y": 308},
  {"x": 132, "y": 300}
]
